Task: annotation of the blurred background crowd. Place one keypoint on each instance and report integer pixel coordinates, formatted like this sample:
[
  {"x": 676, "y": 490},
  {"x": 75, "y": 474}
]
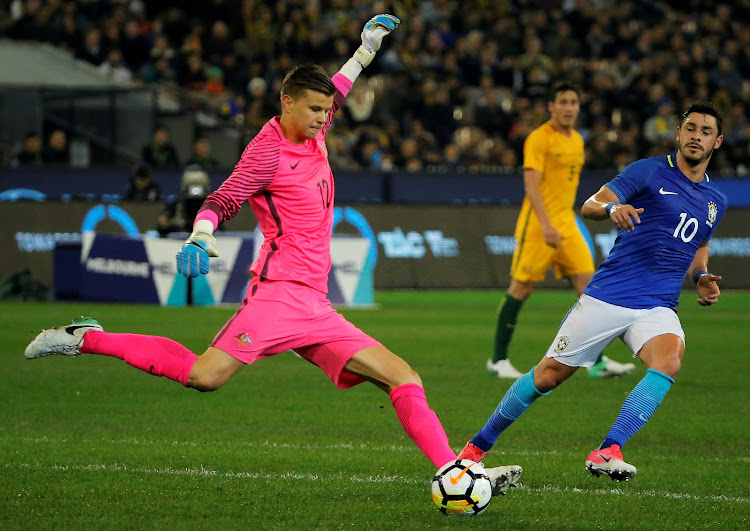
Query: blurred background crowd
[{"x": 457, "y": 88}]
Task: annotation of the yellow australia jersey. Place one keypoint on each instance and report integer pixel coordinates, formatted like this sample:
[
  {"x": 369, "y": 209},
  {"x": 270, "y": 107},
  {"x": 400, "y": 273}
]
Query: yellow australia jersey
[{"x": 560, "y": 159}]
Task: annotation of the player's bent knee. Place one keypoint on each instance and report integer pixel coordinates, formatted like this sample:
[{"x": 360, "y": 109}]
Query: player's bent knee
[
  {"x": 383, "y": 368},
  {"x": 409, "y": 376},
  {"x": 521, "y": 290},
  {"x": 550, "y": 373},
  {"x": 212, "y": 370},
  {"x": 396, "y": 379},
  {"x": 205, "y": 382},
  {"x": 201, "y": 386},
  {"x": 664, "y": 354},
  {"x": 669, "y": 366},
  {"x": 546, "y": 382}
]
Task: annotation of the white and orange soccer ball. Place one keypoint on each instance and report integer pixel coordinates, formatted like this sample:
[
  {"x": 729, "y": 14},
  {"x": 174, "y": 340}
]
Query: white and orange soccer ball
[{"x": 461, "y": 487}]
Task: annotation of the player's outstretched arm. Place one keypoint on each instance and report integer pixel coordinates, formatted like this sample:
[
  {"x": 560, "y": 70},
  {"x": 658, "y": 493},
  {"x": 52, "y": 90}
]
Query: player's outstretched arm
[
  {"x": 192, "y": 259},
  {"x": 605, "y": 204},
  {"x": 706, "y": 283}
]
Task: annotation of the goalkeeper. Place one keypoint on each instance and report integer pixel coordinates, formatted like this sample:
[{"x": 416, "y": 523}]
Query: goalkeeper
[{"x": 285, "y": 176}]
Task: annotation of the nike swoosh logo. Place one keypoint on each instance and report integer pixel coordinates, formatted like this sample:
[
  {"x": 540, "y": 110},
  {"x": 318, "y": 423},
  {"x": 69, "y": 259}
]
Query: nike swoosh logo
[
  {"x": 458, "y": 477},
  {"x": 293, "y": 166},
  {"x": 73, "y": 328},
  {"x": 664, "y": 192},
  {"x": 606, "y": 459},
  {"x": 640, "y": 416}
]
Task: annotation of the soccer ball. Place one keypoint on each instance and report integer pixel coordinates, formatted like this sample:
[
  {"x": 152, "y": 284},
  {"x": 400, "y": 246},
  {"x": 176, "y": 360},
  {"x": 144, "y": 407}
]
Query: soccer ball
[{"x": 462, "y": 487}]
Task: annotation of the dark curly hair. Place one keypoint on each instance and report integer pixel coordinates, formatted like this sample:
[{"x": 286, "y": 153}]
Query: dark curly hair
[{"x": 705, "y": 107}]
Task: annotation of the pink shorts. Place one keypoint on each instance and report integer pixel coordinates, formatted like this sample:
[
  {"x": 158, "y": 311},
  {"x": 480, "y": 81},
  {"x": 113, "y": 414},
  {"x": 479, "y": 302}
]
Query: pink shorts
[{"x": 277, "y": 316}]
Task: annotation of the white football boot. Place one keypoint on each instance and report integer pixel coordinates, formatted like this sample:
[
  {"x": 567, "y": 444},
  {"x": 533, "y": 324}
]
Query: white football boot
[
  {"x": 609, "y": 461},
  {"x": 608, "y": 368},
  {"x": 503, "y": 369},
  {"x": 66, "y": 340},
  {"x": 503, "y": 478}
]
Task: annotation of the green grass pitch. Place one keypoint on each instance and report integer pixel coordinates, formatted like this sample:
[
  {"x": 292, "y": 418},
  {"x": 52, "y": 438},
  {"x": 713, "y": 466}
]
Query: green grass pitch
[{"x": 91, "y": 443}]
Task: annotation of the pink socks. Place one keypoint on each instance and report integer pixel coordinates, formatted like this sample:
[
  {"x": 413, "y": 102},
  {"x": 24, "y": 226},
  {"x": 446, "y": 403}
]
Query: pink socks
[
  {"x": 421, "y": 423},
  {"x": 155, "y": 355},
  {"x": 161, "y": 356}
]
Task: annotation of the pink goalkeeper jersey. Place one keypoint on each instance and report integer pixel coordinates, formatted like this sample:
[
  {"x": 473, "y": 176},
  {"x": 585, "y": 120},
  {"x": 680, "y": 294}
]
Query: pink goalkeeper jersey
[{"x": 290, "y": 189}]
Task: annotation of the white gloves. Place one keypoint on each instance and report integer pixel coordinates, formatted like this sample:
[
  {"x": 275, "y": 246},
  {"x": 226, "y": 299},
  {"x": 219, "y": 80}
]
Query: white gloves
[{"x": 372, "y": 36}]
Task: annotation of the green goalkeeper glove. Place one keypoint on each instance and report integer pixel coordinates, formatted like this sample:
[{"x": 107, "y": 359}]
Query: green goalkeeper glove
[{"x": 372, "y": 36}]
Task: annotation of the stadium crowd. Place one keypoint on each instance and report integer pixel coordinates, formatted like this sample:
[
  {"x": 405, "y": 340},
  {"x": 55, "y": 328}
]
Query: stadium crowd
[{"x": 458, "y": 88}]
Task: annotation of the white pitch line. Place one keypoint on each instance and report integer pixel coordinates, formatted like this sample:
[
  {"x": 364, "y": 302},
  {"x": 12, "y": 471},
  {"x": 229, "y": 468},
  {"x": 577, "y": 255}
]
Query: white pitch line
[
  {"x": 204, "y": 472},
  {"x": 636, "y": 494},
  {"x": 338, "y": 446}
]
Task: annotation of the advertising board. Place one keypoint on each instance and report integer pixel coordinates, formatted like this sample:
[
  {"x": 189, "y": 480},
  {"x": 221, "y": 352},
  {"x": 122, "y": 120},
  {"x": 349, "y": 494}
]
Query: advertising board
[{"x": 410, "y": 246}]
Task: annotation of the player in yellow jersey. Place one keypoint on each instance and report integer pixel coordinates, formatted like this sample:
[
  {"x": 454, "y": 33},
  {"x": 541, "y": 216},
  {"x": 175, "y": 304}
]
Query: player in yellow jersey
[{"x": 547, "y": 234}]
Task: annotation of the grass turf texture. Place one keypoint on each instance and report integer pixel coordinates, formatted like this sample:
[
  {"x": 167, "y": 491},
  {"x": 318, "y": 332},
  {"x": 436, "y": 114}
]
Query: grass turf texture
[{"x": 90, "y": 442}]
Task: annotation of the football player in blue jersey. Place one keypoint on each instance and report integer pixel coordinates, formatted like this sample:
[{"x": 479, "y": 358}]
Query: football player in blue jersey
[{"x": 665, "y": 209}]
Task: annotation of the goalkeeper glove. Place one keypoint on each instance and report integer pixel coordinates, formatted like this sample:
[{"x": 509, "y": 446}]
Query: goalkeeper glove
[
  {"x": 372, "y": 36},
  {"x": 192, "y": 259}
]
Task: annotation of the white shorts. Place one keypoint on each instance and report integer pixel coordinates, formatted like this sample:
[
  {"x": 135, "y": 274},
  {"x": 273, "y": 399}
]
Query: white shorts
[{"x": 591, "y": 324}]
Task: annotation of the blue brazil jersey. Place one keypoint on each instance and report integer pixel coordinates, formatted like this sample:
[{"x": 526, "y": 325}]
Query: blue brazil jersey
[{"x": 647, "y": 266}]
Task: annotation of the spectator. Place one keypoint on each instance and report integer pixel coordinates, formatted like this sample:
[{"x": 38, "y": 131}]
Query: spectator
[
  {"x": 508, "y": 160},
  {"x": 725, "y": 76},
  {"x": 201, "y": 155},
  {"x": 219, "y": 43},
  {"x": 178, "y": 215},
  {"x": 56, "y": 151},
  {"x": 160, "y": 152},
  {"x": 259, "y": 105},
  {"x": 661, "y": 127},
  {"x": 193, "y": 75},
  {"x": 31, "y": 151},
  {"x": 340, "y": 153},
  {"x": 369, "y": 154},
  {"x": 742, "y": 157},
  {"x": 599, "y": 153},
  {"x": 158, "y": 70},
  {"x": 490, "y": 115},
  {"x": 409, "y": 151},
  {"x": 452, "y": 157},
  {"x": 193, "y": 41},
  {"x": 533, "y": 56},
  {"x": 562, "y": 43},
  {"x": 111, "y": 35},
  {"x": 359, "y": 105},
  {"x": 624, "y": 65},
  {"x": 114, "y": 67},
  {"x": 91, "y": 49},
  {"x": 142, "y": 186},
  {"x": 161, "y": 49},
  {"x": 28, "y": 26},
  {"x": 234, "y": 77},
  {"x": 68, "y": 36},
  {"x": 214, "y": 81},
  {"x": 135, "y": 47},
  {"x": 438, "y": 113},
  {"x": 599, "y": 43},
  {"x": 414, "y": 165}
]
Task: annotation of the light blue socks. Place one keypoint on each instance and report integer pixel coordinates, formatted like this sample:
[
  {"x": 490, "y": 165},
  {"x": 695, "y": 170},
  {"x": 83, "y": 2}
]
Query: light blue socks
[
  {"x": 517, "y": 399},
  {"x": 641, "y": 403}
]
